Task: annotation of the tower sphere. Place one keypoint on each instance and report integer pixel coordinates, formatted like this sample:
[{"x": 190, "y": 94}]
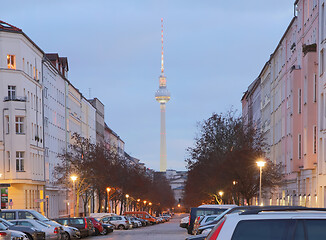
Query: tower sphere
[{"x": 162, "y": 95}]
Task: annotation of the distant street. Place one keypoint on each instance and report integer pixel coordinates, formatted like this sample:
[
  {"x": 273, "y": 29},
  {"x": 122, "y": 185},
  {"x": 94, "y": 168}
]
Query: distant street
[{"x": 164, "y": 231}]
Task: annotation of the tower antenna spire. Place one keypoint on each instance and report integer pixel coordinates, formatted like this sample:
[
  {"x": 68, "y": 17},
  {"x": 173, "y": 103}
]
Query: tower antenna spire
[{"x": 162, "y": 57}]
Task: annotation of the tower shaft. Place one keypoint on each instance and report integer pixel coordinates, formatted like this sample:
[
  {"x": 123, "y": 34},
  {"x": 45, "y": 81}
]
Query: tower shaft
[{"x": 163, "y": 158}]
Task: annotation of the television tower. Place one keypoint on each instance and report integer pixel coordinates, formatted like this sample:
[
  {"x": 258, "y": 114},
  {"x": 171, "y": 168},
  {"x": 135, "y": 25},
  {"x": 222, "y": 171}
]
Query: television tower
[{"x": 162, "y": 95}]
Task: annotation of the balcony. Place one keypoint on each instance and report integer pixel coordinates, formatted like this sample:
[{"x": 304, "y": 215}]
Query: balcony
[{"x": 14, "y": 98}]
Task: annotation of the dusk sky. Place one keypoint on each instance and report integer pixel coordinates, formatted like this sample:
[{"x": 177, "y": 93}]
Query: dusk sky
[{"x": 213, "y": 50}]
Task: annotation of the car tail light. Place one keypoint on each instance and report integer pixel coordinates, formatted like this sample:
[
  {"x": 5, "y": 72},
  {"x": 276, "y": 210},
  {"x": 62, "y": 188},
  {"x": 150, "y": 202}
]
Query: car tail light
[
  {"x": 85, "y": 223},
  {"x": 56, "y": 230},
  {"x": 3, "y": 234},
  {"x": 217, "y": 231}
]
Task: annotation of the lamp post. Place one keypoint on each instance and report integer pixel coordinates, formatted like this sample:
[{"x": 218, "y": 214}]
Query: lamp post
[
  {"x": 138, "y": 204},
  {"x": 144, "y": 204},
  {"x": 221, "y": 194},
  {"x": 127, "y": 202},
  {"x": 108, "y": 192},
  {"x": 260, "y": 164},
  {"x": 74, "y": 178}
]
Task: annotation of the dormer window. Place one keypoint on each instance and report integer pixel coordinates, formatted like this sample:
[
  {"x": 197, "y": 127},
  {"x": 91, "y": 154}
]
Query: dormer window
[{"x": 11, "y": 61}]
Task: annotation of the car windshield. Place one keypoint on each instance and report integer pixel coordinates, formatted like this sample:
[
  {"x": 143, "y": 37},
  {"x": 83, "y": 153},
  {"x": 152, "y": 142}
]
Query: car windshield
[
  {"x": 2, "y": 227},
  {"x": 43, "y": 224},
  {"x": 5, "y": 222},
  {"x": 39, "y": 216}
]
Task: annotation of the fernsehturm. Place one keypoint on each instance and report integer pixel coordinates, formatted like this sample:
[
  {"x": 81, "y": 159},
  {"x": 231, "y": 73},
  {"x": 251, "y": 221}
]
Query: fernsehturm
[{"x": 162, "y": 95}]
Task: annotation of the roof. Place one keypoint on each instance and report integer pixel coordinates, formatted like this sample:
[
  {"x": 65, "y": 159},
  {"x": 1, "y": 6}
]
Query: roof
[
  {"x": 9, "y": 28},
  {"x": 6, "y": 27}
]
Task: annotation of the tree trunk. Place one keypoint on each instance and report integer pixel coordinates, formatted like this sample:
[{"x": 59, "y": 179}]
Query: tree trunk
[
  {"x": 121, "y": 206},
  {"x": 99, "y": 201}
]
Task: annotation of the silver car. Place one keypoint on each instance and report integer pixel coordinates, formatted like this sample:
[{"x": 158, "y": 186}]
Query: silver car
[
  {"x": 119, "y": 222},
  {"x": 6, "y": 234},
  {"x": 51, "y": 232}
]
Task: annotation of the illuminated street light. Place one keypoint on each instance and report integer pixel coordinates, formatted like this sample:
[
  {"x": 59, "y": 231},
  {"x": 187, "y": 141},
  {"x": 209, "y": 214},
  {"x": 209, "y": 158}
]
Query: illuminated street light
[
  {"x": 108, "y": 189},
  {"x": 138, "y": 200},
  {"x": 127, "y": 202},
  {"x": 179, "y": 205},
  {"x": 221, "y": 193},
  {"x": 150, "y": 204},
  {"x": 74, "y": 178},
  {"x": 145, "y": 202},
  {"x": 261, "y": 163}
]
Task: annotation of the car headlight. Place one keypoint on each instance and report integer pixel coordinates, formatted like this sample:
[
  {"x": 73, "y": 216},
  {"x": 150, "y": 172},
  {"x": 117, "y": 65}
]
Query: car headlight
[{"x": 206, "y": 231}]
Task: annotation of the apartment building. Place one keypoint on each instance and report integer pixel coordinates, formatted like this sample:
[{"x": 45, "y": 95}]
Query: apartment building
[
  {"x": 321, "y": 106},
  {"x": 288, "y": 89},
  {"x": 21, "y": 122}
]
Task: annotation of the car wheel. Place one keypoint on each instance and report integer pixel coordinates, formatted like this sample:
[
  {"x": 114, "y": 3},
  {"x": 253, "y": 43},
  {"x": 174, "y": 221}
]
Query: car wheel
[
  {"x": 65, "y": 236},
  {"x": 121, "y": 227},
  {"x": 104, "y": 232}
]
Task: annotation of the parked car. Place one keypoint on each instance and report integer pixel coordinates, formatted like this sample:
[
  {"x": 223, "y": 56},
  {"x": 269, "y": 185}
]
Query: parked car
[
  {"x": 120, "y": 222},
  {"x": 284, "y": 223},
  {"x": 205, "y": 210},
  {"x": 143, "y": 215},
  {"x": 51, "y": 232},
  {"x": 31, "y": 233},
  {"x": 84, "y": 225},
  {"x": 97, "y": 225},
  {"x": 107, "y": 228},
  {"x": 135, "y": 223},
  {"x": 184, "y": 222},
  {"x": 142, "y": 221},
  {"x": 15, "y": 214},
  {"x": 4, "y": 233}
]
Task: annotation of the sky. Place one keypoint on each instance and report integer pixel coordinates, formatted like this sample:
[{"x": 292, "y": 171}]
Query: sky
[{"x": 213, "y": 50}]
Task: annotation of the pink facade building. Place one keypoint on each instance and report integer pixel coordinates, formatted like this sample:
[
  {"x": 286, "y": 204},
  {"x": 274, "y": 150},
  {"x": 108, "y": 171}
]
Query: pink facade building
[{"x": 288, "y": 89}]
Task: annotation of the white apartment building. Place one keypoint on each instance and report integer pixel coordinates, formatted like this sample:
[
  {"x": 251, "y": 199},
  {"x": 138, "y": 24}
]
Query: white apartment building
[
  {"x": 88, "y": 114},
  {"x": 55, "y": 141},
  {"x": 21, "y": 121}
]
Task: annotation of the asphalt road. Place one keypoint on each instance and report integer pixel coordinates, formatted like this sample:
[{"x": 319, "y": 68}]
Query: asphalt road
[{"x": 164, "y": 231}]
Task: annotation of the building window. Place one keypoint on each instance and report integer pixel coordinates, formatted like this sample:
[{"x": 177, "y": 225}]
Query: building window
[
  {"x": 315, "y": 139},
  {"x": 299, "y": 146},
  {"x": 11, "y": 61},
  {"x": 19, "y": 161},
  {"x": 8, "y": 156},
  {"x": 19, "y": 125},
  {"x": 315, "y": 88},
  {"x": 299, "y": 101},
  {"x": 7, "y": 124},
  {"x": 322, "y": 62},
  {"x": 11, "y": 92}
]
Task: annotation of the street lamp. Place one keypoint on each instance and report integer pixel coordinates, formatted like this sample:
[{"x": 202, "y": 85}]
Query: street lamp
[
  {"x": 74, "y": 178},
  {"x": 261, "y": 163},
  {"x": 127, "y": 201},
  {"x": 108, "y": 192},
  {"x": 221, "y": 194}
]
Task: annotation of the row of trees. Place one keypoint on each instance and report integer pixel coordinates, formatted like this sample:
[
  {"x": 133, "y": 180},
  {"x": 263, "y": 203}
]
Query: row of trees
[
  {"x": 224, "y": 159},
  {"x": 103, "y": 172}
]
